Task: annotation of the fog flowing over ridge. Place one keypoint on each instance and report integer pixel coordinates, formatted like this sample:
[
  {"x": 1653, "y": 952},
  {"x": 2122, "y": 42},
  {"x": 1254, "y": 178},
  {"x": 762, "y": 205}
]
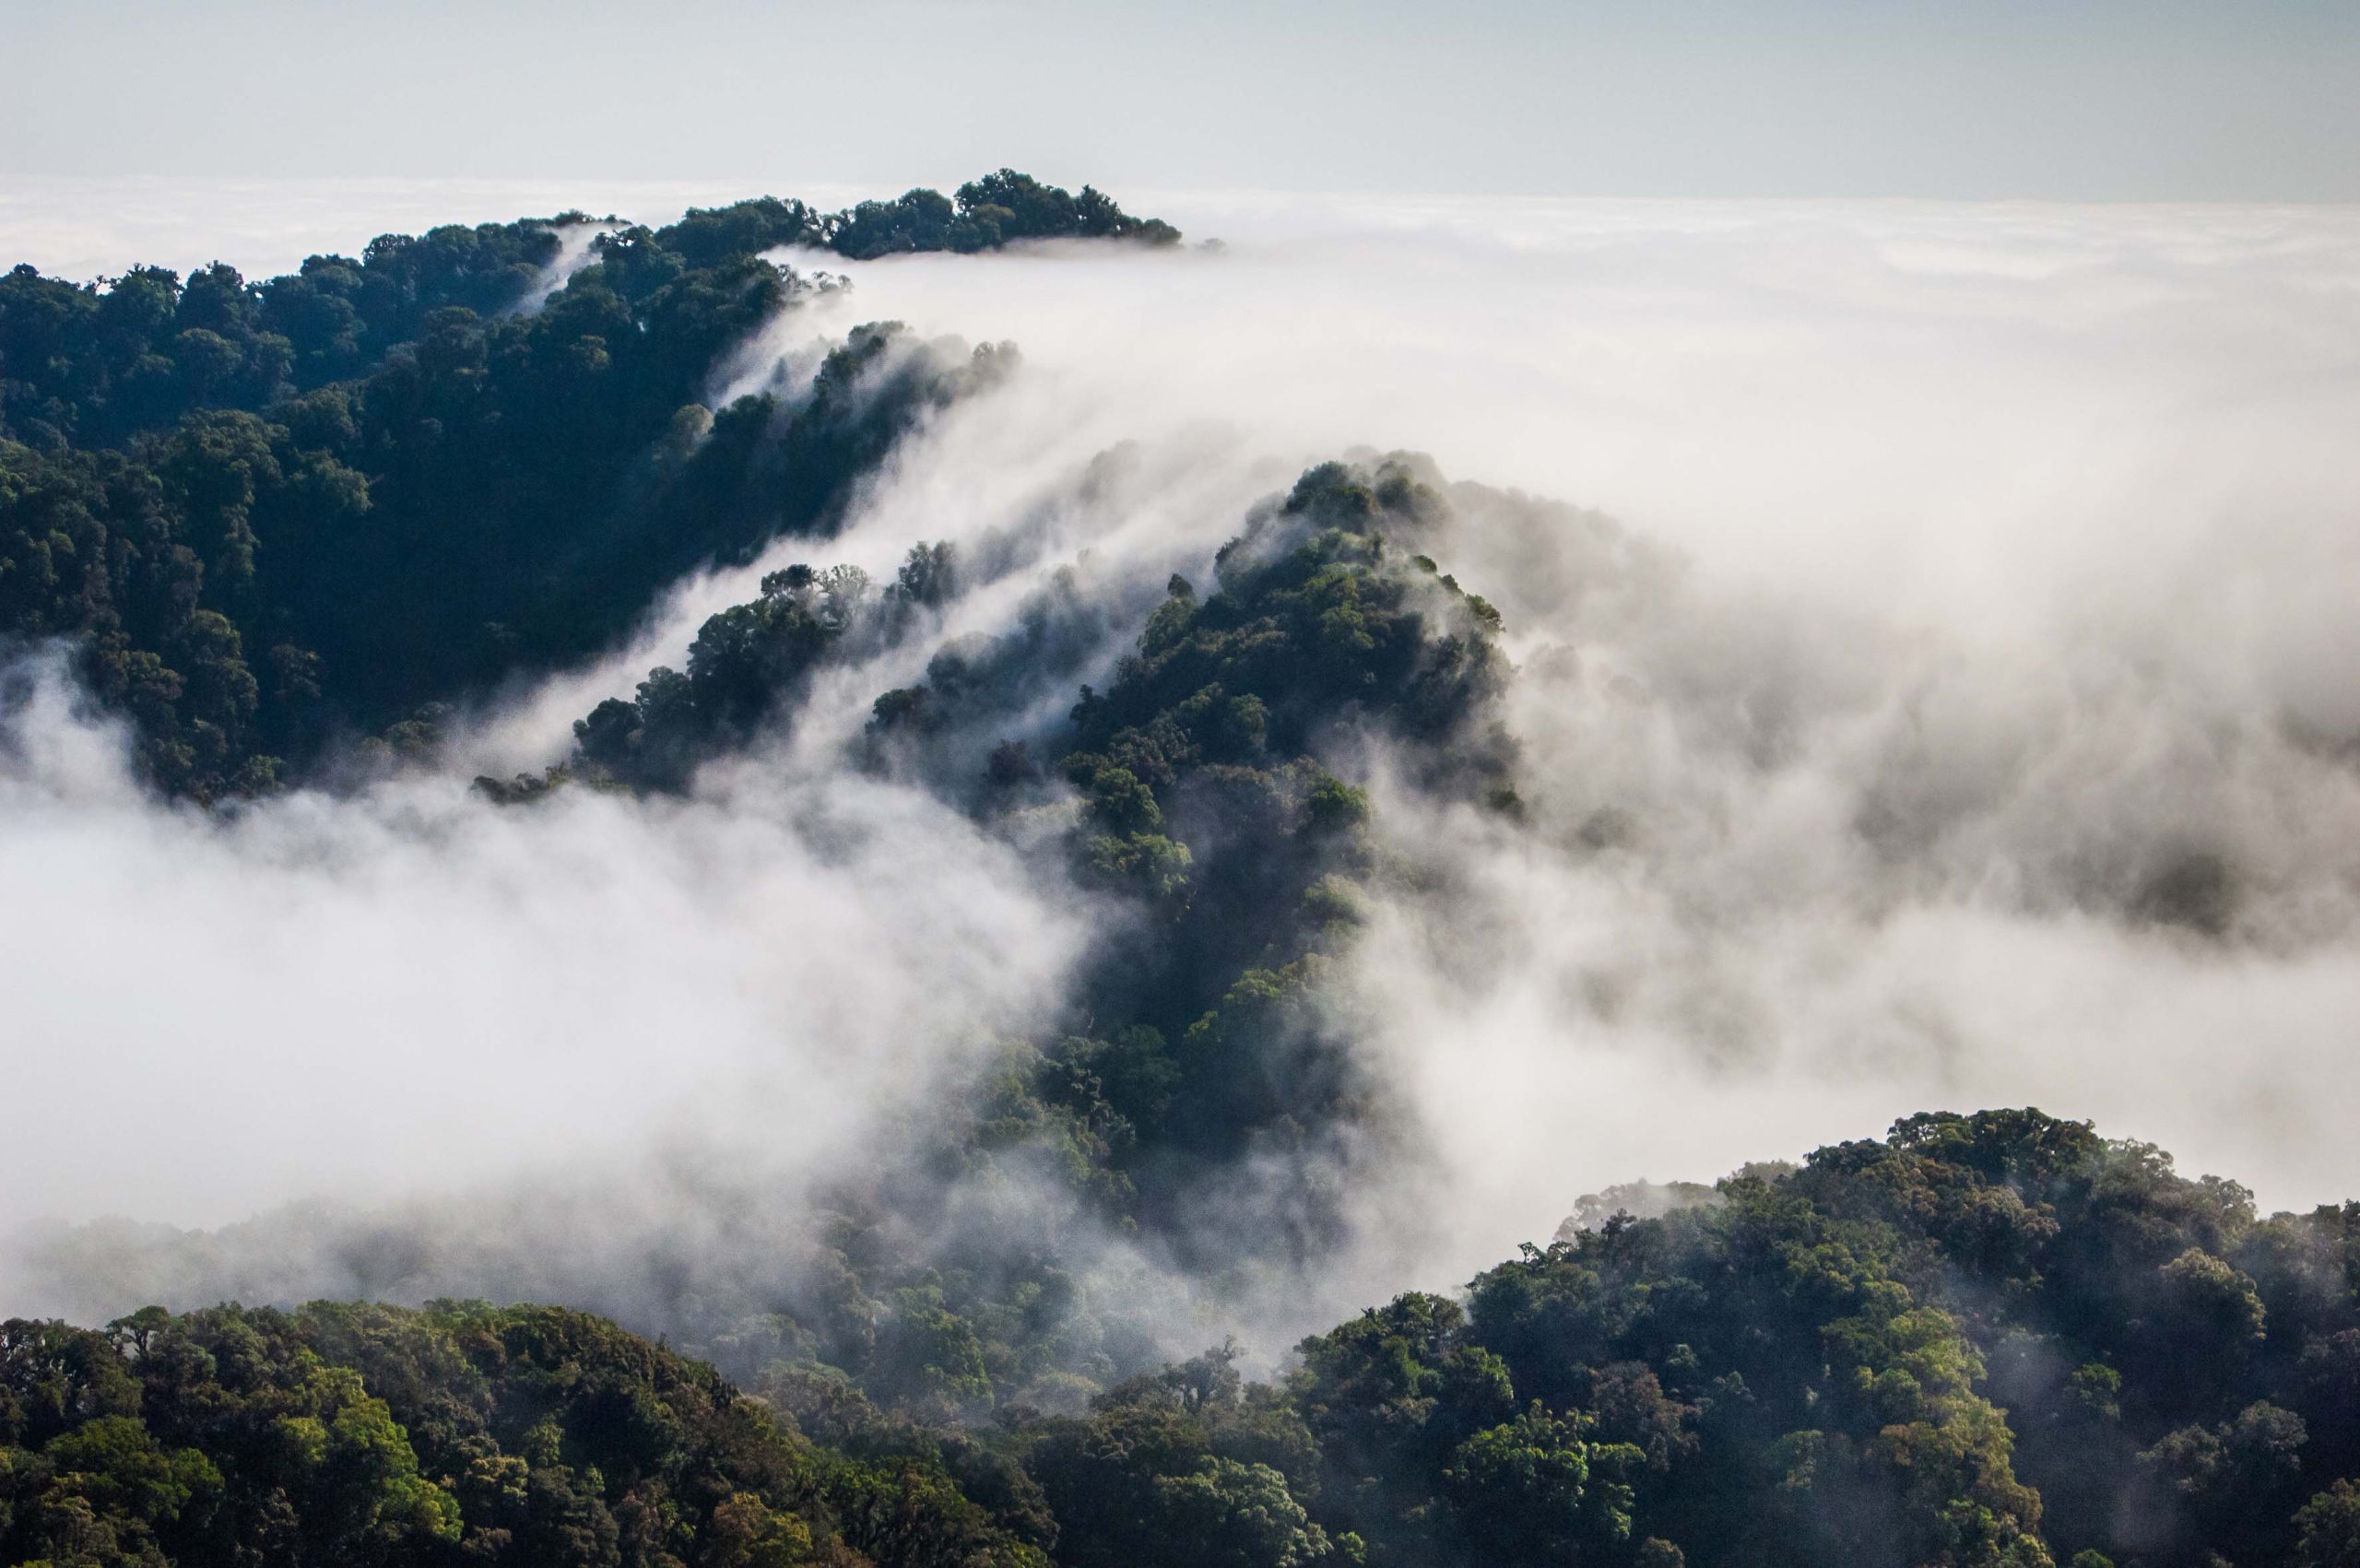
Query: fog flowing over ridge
[
  {"x": 1935, "y": 687},
  {"x": 451, "y": 997}
]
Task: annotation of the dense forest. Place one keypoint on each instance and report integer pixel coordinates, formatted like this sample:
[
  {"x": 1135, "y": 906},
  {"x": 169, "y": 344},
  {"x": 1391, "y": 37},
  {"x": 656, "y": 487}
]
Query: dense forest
[
  {"x": 319, "y": 506},
  {"x": 284, "y": 527},
  {"x": 1989, "y": 1339}
]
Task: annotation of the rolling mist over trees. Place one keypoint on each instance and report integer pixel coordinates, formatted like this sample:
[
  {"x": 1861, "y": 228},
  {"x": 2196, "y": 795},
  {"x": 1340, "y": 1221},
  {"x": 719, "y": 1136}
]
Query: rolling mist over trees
[
  {"x": 323, "y": 503},
  {"x": 1989, "y": 1339},
  {"x": 282, "y": 546}
]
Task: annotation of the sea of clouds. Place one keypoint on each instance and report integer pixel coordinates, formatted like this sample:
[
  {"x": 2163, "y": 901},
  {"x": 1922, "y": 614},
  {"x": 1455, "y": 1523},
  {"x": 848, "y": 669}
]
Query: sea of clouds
[{"x": 1937, "y": 690}]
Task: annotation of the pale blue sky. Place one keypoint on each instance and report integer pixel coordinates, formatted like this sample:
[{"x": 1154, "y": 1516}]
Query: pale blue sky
[{"x": 2098, "y": 99}]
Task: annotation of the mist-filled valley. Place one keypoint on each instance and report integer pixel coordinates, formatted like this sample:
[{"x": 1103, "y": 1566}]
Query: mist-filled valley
[{"x": 992, "y": 814}]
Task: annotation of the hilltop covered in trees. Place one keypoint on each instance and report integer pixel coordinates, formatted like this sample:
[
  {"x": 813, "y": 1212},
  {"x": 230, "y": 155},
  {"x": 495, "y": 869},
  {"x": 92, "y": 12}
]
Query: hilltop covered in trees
[{"x": 1996, "y": 1339}]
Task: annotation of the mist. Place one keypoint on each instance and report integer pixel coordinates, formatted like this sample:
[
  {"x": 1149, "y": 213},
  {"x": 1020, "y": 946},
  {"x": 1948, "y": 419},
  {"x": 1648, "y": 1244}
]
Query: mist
[
  {"x": 398, "y": 993},
  {"x": 1936, "y": 689}
]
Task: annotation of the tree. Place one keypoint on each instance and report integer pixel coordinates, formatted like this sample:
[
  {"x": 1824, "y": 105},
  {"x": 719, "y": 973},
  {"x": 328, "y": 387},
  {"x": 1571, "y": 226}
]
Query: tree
[{"x": 2328, "y": 1528}]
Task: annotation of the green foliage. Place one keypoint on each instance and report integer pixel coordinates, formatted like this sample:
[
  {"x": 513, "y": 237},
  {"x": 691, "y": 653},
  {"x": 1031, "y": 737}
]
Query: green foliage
[
  {"x": 266, "y": 515},
  {"x": 986, "y": 214},
  {"x": 1193, "y": 802},
  {"x": 1893, "y": 1355},
  {"x": 745, "y": 662},
  {"x": 1825, "y": 1366},
  {"x": 1520, "y": 1490},
  {"x": 465, "y": 1433},
  {"x": 2328, "y": 1528},
  {"x": 1235, "y": 1516},
  {"x": 1186, "y": 1467},
  {"x": 93, "y": 367}
]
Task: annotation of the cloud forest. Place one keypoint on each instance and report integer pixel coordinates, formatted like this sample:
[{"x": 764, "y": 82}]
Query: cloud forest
[{"x": 932, "y": 885}]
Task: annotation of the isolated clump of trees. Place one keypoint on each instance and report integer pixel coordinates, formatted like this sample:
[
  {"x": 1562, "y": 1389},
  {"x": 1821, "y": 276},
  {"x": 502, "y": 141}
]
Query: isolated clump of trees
[{"x": 985, "y": 214}]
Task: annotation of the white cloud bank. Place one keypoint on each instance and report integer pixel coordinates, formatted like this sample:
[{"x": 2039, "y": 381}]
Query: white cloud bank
[{"x": 1996, "y": 561}]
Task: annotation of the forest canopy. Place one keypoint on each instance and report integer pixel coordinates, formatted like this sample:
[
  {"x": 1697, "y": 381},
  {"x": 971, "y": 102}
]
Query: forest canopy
[
  {"x": 326, "y": 504},
  {"x": 1994, "y": 1340}
]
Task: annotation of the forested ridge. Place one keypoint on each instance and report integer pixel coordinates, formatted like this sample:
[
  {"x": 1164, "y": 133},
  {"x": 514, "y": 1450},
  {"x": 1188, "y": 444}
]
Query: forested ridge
[
  {"x": 325, "y": 504},
  {"x": 1189, "y": 793},
  {"x": 282, "y": 526}
]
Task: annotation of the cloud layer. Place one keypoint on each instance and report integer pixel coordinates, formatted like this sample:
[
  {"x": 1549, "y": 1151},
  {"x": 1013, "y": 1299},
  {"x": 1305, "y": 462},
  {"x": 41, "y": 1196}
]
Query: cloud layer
[{"x": 1946, "y": 699}]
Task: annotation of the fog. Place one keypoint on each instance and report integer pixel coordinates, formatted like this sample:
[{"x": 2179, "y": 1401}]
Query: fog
[
  {"x": 1937, "y": 690},
  {"x": 398, "y": 992}
]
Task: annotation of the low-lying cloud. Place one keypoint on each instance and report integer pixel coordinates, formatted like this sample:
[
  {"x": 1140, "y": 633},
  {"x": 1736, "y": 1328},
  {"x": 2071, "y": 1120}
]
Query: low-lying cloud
[
  {"x": 1948, "y": 702},
  {"x": 402, "y": 992}
]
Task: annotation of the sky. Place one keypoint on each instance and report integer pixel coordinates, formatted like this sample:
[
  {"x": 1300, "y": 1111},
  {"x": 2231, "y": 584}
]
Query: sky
[{"x": 2094, "y": 101}]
